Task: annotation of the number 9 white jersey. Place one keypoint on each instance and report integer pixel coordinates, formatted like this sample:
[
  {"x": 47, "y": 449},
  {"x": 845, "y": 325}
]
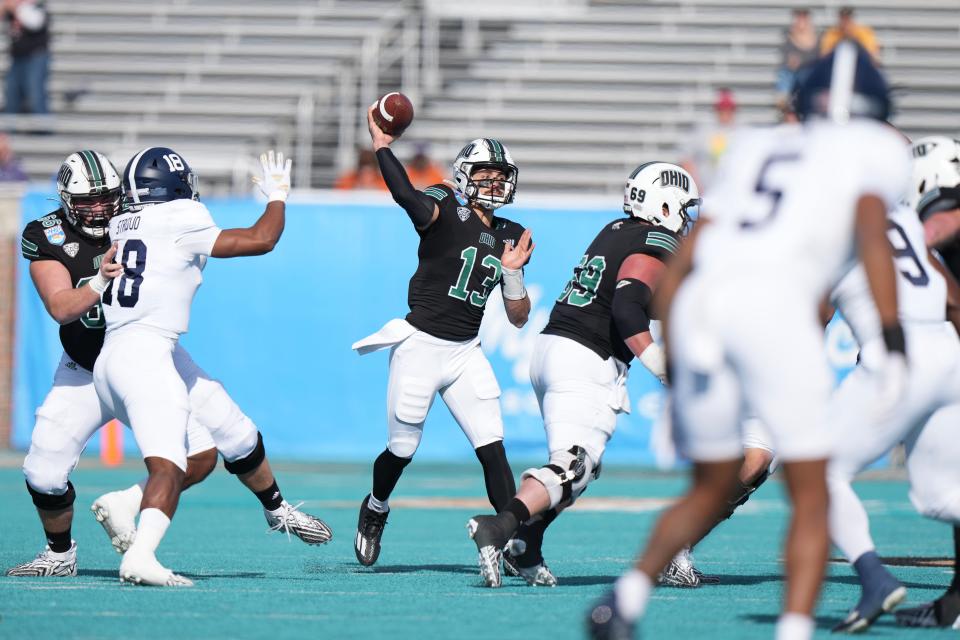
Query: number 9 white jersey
[
  {"x": 921, "y": 290},
  {"x": 163, "y": 248},
  {"x": 784, "y": 201}
]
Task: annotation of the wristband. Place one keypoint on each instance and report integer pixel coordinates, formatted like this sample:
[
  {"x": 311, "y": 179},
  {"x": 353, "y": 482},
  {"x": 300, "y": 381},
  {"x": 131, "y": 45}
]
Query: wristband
[
  {"x": 655, "y": 360},
  {"x": 99, "y": 283},
  {"x": 513, "y": 288},
  {"x": 894, "y": 339}
]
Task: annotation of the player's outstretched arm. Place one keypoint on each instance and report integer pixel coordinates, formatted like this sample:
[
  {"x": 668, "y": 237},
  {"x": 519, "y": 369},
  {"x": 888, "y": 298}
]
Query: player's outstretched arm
[
  {"x": 516, "y": 302},
  {"x": 637, "y": 280},
  {"x": 876, "y": 255},
  {"x": 422, "y": 209},
  {"x": 65, "y": 303},
  {"x": 263, "y": 236}
]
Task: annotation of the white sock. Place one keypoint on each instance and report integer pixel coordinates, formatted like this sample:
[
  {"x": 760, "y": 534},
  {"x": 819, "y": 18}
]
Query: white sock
[
  {"x": 375, "y": 505},
  {"x": 632, "y": 592},
  {"x": 150, "y": 530},
  {"x": 794, "y": 626}
]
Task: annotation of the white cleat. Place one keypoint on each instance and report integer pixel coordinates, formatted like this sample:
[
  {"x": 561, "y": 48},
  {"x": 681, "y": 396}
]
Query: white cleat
[
  {"x": 48, "y": 564},
  {"x": 145, "y": 569},
  {"x": 290, "y": 519},
  {"x": 118, "y": 516},
  {"x": 539, "y": 575},
  {"x": 680, "y": 572}
]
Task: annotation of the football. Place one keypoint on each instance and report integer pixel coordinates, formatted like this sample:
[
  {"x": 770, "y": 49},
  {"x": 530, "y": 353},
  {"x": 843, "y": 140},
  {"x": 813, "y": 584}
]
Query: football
[{"x": 393, "y": 113}]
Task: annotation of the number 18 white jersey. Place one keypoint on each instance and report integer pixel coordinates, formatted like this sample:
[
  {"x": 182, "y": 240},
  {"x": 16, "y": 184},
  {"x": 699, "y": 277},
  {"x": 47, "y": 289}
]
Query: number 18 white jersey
[
  {"x": 784, "y": 201},
  {"x": 163, "y": 249},
  {"x": 921, "y": 290}
]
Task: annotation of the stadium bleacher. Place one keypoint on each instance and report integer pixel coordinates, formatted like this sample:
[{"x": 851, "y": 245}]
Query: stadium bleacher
[{"x": 580, "y": 91}]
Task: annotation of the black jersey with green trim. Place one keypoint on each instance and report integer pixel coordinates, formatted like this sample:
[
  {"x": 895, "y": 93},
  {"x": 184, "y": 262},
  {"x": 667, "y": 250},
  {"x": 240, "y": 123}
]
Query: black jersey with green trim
[
  {"x": 458, "y": 268},
  {"x": 52, "y": 238},
  {"x": 583, "y": 312}
]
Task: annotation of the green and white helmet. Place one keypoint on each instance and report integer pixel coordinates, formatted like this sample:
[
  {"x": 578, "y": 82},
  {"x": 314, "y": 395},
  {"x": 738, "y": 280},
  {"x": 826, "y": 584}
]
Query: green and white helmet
[
  {"x": 89, "y": 188},
  {"x": 663, "y": 194},
  {"x": 485, "y": 153},
  {"x": 936, "y": 175}
]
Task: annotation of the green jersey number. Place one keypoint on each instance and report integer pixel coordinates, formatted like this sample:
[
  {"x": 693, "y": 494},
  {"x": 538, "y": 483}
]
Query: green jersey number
[
  {"x": 92, "y": 319},
  {"x": 582, "y": 288},
  {"x": 459, "y": 290}
]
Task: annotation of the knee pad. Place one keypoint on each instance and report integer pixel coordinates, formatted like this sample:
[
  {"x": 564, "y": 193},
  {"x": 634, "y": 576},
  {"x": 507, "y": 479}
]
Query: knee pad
[
  {"x": 249, "y": 462},
  {"x": 566, "y": 476},
  {"x": 47, "y": 473},
  {"x": 53, "y": 502},
  {"x": 403, "y": 444}
]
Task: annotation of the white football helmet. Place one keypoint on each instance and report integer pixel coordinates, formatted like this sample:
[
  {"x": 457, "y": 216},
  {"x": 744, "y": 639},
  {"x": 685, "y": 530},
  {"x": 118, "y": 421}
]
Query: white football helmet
[
  {"x": 89, "y": 188},
  {"x": 936, "y": 175},
  {"x": 485, "y": 153},
  {"x": 663, "y": 194}
]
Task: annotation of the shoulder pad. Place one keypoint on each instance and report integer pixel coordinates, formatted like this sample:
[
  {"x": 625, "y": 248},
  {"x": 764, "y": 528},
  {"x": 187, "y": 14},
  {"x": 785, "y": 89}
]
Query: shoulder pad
[
  {"x": 662, "y": 240},
  {"x": 438, "y": 192}
]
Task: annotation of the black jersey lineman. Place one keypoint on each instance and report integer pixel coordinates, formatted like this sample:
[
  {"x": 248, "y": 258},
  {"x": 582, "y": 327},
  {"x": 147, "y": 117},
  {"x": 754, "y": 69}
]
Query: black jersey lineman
[
  {"x": 583, "y": 311},
  {"x": 52, "y": 238},
  {"x": 459, "y": 266}
]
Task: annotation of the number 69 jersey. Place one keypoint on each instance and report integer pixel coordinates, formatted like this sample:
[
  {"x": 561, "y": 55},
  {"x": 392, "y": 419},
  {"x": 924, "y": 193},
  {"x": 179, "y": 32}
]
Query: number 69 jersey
[
  {"x": 921, "y": 290},
  {"x": 163, "y": 249},
  {"x": 784, "y": 201},
  {"x": 459, "y": 267}
]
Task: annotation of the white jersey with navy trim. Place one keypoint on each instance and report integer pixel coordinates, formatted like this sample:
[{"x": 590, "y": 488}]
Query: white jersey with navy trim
[
  {"x": 921, "y": 290},
  {"x": 784, "y": 201},
  {"x": 163, "y": 248}
]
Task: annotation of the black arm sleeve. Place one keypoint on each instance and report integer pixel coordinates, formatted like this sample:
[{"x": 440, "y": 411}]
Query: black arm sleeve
[
  {"x": 629, "y": 307},
  {"x": 417, "y": 205}
]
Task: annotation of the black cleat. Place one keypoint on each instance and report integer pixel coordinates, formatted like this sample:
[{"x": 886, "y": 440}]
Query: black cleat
[
  {"x": 369, "y": 531},
  {"x": 604, "y": 621},
  {"x": 942, "y": 612},
  {"x": 490, "y": 539}
]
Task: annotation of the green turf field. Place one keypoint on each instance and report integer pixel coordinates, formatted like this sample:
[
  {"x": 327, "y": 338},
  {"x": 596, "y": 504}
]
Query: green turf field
[{"x": 253, "y": 585}]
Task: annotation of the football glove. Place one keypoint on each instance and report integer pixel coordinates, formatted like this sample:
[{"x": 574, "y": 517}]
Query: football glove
[{"x": 275, "y": 182}]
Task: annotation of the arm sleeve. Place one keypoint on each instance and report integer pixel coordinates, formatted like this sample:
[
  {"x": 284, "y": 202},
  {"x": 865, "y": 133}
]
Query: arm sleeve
[
  {"x": 198, "y": 232},
  {"x": 629, "y": 307},
  {"x": 417, "y": 205}
]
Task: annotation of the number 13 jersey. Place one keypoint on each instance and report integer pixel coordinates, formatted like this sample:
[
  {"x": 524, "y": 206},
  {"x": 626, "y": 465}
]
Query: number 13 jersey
[
  {"x": 163, "y": 249},
  {"x": 459, "y": 266}
]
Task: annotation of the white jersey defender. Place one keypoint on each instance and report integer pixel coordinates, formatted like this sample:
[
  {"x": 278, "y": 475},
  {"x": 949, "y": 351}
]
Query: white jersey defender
[
  {"x": 781, "y": 234},
  {"x": 163, "y": 249}
]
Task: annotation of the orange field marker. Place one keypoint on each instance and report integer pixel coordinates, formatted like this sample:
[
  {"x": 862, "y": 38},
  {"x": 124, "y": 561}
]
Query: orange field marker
[{"x": 111, "y": 444}]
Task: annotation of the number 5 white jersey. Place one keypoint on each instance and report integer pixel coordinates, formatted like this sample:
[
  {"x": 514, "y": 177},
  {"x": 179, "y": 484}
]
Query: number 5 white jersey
[
  {"x": 921, "y": 290},
  {"x": 784, "y": 201},
  {"x": 163, "y": 248}
]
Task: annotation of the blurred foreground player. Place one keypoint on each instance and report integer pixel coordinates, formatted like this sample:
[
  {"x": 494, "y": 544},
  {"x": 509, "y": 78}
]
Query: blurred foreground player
[
  {"x": 742, "y": 328},
  {"x": 465, "y": 251}
]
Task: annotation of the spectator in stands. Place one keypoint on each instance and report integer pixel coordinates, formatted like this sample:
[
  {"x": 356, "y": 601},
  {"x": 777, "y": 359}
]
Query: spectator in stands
[
  {"x": 422, "y": 171},
  {"x": 848, "y": 29},
  {"x": 709, "y": 141},
  {"x": 799, "y": 48},
  {"x": 366, "y": 175},
  {"x": 10, "y": 169},
  {"x": 28, "y": 25}
]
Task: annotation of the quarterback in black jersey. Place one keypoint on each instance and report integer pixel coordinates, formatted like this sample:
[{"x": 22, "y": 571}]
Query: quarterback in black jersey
[
  {"x": 71, "y": 263},
  {"x": 600, "y": 322},
  {"x": 465, "y": 251}
]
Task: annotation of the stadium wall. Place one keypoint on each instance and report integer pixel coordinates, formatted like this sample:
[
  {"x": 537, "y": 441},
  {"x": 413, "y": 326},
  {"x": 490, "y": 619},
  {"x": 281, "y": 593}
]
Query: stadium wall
[{"x": 277, "y": 330}]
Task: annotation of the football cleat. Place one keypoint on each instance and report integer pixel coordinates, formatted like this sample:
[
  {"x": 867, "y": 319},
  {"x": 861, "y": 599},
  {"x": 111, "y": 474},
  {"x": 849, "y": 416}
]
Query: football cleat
[
  {"x": 680, "y": 572},
  {"x": 369, "y": 531},
  {"x": 705, "y": 578},
  {"x": 539, "y": 575},
  {"x": 144, "y": 569},
  {"x": 117, "y": 514},
  {"x": 490, "y": 541},
  {"x": 604, "y": 621},
  {"x": 873, "y": 603},
  {"x": 49, "y": 564},
  {"x": 942, "y": 612},
  {"x": 290, "y": 519}
]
